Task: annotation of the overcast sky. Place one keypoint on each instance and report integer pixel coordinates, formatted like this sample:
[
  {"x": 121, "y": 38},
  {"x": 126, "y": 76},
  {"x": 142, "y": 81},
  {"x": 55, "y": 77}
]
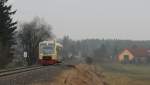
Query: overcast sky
[{"x": 81, "y": 19}]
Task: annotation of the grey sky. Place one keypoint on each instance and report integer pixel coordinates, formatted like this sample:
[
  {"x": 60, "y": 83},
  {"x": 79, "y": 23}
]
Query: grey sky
[{"x": 80, "y": 19}]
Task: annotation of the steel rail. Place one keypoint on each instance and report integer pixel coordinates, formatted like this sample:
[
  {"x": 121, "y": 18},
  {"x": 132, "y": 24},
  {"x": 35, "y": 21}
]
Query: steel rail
[
  {"x": 19, "y": 70},
  {"x": 13, "y": 69}
]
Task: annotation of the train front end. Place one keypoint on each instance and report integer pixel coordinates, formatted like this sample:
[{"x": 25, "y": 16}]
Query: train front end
[{"x": 48, "y": 53}]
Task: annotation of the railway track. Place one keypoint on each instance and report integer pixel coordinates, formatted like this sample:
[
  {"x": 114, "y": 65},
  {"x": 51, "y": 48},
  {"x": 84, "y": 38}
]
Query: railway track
[
  {"x": 18, "y": 70},
  {"x": 8, "y": 72}
]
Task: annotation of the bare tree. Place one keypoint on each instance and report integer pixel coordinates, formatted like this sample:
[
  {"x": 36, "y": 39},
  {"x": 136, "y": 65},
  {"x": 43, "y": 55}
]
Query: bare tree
[{"x": 31, "y": 34}]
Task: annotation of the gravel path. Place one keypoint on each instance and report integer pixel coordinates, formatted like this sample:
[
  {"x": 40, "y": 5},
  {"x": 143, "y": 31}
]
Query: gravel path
[{"x": 44, "y": 75}]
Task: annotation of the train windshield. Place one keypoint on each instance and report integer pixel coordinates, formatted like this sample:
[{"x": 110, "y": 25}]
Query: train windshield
[{"x": 47, "y": 49}]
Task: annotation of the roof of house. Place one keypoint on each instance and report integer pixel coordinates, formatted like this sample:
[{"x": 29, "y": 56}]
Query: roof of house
[{"x": 139, "y": 52}]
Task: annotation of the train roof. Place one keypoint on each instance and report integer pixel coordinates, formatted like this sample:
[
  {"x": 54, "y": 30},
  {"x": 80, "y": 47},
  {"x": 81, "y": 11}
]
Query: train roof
[
  {"x": 52, "y": 41},
  {"x": 49, "y": 41}
]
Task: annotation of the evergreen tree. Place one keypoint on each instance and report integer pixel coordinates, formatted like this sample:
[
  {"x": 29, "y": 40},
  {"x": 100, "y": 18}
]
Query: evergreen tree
[
  {"x": 7, "y": 27},
  {"x": 67, "y": 42},
  {"x": 101, "y": 53}
]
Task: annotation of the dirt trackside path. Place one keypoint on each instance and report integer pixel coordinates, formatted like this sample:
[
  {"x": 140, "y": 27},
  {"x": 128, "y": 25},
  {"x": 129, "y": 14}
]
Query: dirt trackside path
[{"x": 81, "y": 74}]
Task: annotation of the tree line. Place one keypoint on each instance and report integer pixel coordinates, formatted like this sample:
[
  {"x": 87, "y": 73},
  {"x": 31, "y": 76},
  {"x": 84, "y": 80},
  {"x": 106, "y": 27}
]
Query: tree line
[{"x": 100, "y": 50}]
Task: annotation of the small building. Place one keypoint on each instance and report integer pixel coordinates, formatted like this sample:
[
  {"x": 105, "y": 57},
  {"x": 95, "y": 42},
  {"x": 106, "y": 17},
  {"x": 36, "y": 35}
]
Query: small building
[{"x": 138, "y": 55}]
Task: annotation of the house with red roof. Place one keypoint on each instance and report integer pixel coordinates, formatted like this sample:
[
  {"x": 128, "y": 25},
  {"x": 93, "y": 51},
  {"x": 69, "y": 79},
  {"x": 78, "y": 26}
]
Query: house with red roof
[{"x": 138, "y": 55}]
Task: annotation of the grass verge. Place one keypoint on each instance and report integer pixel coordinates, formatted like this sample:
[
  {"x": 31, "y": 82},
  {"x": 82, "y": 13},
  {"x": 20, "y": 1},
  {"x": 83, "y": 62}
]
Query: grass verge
[{"x": 120, "y": 74}]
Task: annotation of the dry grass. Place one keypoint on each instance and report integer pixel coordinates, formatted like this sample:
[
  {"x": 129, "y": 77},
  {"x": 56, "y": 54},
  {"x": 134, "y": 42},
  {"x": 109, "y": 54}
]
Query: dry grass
[
  {"x": 80, "y": 75},
  {"x": 118, "y": 74}
]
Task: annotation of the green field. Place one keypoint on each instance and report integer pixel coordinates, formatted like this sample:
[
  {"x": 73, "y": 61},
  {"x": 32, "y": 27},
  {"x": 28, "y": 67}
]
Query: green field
[{"x": 121, "y": 74}]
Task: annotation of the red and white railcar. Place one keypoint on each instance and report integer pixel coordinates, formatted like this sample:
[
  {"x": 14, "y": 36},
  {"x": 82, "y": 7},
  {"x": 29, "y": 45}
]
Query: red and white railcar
[{"x": 49, "y": 52}]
